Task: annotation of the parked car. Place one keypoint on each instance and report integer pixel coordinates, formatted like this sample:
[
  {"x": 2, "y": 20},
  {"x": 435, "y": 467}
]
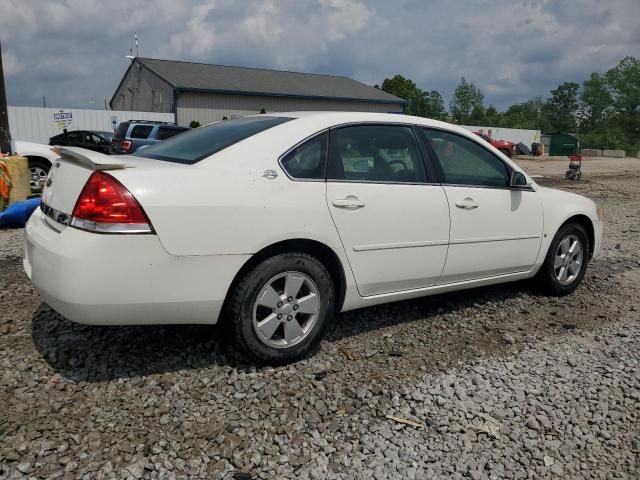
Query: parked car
[
  {"x": 40, "y": 159},
  {"x": 97, "y": 141},
  {"x": 132, "y": 135},
  {"x": 274, "y": 223},
  {"x": 508, "y": 148}
]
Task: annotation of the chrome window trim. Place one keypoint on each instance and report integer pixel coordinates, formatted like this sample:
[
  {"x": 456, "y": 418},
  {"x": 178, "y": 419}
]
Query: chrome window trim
[
  {"x": 299, "y": 144},
  {"x": 383, "y": 182},
  {"x": 523, "y": 188}
]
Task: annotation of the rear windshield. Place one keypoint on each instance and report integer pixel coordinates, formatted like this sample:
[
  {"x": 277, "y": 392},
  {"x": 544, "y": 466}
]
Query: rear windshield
[
  {"x": 121, "y": 132},
  {"x": 199, "y": 143}
]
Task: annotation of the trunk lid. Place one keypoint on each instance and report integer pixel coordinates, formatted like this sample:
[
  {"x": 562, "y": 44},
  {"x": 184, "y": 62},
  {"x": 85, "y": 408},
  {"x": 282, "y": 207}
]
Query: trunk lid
[{"x": 70, "y": 173}]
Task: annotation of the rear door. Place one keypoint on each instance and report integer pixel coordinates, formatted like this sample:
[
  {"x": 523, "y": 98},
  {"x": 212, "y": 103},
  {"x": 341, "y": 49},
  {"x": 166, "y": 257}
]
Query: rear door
[
  {"x": 392, "y": 221},
  {"x": 495, "y": 229}
]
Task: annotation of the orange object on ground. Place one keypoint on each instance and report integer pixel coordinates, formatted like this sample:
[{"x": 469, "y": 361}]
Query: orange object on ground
[{"x": 5, "y": 185}]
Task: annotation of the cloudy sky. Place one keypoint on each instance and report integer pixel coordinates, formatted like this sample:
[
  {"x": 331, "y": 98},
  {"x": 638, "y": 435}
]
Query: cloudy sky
[{"x": 73, "y": 51}]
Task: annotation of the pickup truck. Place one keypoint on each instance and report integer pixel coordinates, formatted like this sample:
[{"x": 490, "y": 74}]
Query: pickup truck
[{"x": 508, "y": 148}]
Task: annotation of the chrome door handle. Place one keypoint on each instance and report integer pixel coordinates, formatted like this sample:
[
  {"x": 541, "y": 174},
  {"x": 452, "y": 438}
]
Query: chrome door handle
[
  {"x": 467, "y": 204},
  {"x": 349, "y": 203}
]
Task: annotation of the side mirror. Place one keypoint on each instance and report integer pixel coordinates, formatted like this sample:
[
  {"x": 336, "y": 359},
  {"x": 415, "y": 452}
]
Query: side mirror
[{"x": 518, "y": 179}]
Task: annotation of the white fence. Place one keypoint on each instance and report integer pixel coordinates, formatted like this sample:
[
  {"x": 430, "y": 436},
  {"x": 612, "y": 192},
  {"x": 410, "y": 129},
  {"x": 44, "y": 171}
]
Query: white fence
[
  {"x": 514, "y": 135},
  {"x": 35, "y": 124}
]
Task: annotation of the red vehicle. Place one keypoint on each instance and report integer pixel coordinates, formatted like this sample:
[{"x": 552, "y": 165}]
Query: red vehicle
[{"x": 508, "y": 148}]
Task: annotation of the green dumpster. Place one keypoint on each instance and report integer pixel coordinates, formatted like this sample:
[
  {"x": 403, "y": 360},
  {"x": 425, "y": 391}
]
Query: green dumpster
[{"x": 562, "y": 144}]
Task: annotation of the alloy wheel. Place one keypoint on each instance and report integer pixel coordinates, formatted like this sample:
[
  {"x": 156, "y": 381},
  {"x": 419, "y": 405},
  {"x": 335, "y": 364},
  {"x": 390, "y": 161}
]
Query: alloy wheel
[
  {"x": 286, "y": 309},
  {"x": 568, "y": 259},
  {"x": 37, "y": 177}
]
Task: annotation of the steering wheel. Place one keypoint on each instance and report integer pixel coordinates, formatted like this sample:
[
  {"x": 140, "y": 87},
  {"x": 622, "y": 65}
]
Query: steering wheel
[{"x": 399, "y": 162}]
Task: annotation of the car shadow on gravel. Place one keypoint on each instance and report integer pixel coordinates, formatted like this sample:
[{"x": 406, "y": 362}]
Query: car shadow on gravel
[{"x": 102, "y": 353}]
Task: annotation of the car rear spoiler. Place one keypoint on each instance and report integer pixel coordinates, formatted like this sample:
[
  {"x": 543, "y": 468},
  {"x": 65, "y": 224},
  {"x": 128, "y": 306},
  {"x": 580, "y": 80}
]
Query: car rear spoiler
[{"x": 89, "y": 158}]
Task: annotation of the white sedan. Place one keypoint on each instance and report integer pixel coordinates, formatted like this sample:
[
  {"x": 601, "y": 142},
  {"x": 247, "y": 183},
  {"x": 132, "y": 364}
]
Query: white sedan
[{"x": 276, "y": 222}]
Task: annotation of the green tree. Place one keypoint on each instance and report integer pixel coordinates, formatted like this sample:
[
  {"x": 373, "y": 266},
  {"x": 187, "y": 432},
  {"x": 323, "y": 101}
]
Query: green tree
[
  {"x": 531, "y": 115},
  {"x": 595, "y": 100},
  {"x": 623, "y": 128},
  {"x": 493, "y": 118},
  {"x": 562, "y": 106},
  {"x": 466, "y": 98},
  {"x": 434, "y": 106},
  {"x": 405, "y": 89},
  {"x": 624, "y": 83},
  {"x": 420, "y": 103},
  {"x": 478, "y": 115}
]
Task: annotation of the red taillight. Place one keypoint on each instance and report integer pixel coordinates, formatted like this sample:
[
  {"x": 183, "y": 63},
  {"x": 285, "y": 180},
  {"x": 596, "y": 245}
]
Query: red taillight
[
  {"x": 105, "y": 205},
  {"x": 126, "y": 145}
]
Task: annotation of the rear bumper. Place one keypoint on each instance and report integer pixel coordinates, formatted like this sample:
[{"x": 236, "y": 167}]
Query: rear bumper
[{"x": 124, "y": 279}]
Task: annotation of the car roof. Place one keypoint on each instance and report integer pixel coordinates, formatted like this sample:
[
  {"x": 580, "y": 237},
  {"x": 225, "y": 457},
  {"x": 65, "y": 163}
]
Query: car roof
[{"x": 325, "y": 119}]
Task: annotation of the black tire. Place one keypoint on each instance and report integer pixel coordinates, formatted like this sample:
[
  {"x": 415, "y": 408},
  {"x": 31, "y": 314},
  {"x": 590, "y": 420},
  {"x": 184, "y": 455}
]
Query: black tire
[
  {"x": 506, "y": 152},
  {"x": 240, "y": 310},
  {"x": 547, "y": 278},
  {"x": 36, "y": 165}
]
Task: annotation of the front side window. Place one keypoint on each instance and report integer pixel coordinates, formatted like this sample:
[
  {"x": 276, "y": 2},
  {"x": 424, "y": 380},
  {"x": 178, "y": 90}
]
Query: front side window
[
  {"x": 307, "y": 161},
  {"x": 464, "y": 162},
  {"x": 200, "y": 143},
  {"x": 376, "y": 153}
]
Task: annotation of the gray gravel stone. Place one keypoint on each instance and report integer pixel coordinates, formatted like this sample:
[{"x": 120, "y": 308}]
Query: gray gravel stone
[{"x": 177, "y": 402}]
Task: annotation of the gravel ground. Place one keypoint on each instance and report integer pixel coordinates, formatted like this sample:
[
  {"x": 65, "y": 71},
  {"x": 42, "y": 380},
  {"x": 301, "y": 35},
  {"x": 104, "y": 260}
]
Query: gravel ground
[{"x": 496, "y": 383}]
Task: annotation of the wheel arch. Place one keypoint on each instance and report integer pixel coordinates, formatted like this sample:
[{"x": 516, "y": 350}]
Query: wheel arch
[
  {"x": 585, "y": 222},
  {"x": 38, "y": 158},
  {"x": 321, "y": 251}
]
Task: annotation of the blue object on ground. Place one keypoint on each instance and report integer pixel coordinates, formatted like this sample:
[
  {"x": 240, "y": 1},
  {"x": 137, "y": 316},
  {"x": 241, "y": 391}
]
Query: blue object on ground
[{"x": 17, "y": 214}]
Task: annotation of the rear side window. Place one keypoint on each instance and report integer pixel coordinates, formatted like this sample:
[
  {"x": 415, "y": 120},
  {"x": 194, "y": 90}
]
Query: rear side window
[
  {"x": 141, "y": 131},
  {"x": 376, "y": 153},
  {"x": 307, "y": 161},
  {"x": 202, "y": 142},
  {"x": 168, "y": 132}
]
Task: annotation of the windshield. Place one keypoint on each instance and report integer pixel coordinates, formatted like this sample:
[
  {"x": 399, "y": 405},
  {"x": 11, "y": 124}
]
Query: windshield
[{"x": 191, "y": 147}]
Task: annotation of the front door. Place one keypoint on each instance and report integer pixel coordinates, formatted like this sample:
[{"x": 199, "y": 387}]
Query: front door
[
  {"x": 394, "y": 224},
  {"x": 495, "y": 230}
]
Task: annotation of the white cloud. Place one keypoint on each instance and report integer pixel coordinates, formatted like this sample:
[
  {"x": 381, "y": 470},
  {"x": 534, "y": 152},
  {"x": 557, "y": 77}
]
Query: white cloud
[
  {"x": 10, "y": 64},
  {"x": 73, "y": 51}
]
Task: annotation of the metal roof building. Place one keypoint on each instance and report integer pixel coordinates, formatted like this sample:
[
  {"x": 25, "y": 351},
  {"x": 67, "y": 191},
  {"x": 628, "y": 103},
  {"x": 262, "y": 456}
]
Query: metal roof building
[{"x": 206, "y": 93}]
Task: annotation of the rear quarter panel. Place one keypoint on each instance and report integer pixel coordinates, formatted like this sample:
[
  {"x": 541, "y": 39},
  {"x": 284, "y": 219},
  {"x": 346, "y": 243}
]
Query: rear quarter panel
[{"x": 224, "y": 205}]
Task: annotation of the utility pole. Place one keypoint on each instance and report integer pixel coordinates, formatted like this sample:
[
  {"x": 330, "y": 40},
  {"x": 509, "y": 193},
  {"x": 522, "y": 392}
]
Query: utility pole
[{"x": 5, "y": 136}]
